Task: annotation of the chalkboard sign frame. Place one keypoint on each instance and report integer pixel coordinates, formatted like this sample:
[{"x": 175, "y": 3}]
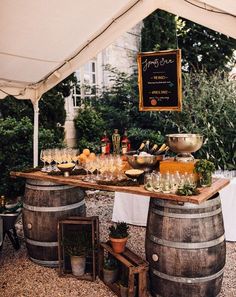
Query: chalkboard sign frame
[{"x": 165, "y": 55}]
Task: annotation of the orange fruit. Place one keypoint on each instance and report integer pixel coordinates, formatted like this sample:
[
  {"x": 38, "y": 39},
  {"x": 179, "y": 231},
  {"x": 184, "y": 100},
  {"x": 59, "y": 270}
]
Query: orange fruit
[
  {"x": 82, "y": 157},
  {"x": 86, "y": 152}
]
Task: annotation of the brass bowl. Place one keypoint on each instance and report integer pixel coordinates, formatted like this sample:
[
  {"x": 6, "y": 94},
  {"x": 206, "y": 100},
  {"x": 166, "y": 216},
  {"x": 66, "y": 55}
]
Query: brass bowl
[
  {"x": 66, "y": 168},
  {"x": 146, "y": 163},
  {"x": 133, "y": 173},
  {"x": 184, "y": 145}
]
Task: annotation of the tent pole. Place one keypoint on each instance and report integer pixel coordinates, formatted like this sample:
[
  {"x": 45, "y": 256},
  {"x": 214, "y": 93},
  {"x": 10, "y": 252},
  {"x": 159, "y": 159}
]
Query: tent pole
[{"x": 36, "y": 133}]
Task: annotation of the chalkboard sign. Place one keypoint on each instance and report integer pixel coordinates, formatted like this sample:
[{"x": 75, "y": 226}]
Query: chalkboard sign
[{"x": 160, "y": 85}]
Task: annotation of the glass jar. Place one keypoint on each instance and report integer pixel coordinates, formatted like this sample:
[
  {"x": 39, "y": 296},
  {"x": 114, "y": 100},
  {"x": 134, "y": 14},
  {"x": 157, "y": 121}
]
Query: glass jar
[{"x": 205, "y": 179}]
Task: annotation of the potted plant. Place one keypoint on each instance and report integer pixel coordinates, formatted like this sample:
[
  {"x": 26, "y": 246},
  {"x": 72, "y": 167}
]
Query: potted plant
[
  {"x": 77, "y": 245},
  {"x": 110, "y": 269},
  {"x": 205, "y": 169},
  {"x": 118, "y": 236}
]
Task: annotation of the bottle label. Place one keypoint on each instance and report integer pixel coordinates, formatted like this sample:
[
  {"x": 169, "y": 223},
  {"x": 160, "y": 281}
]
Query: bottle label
[
  {"x": 103, "y": 148},
  {"x": 124, "y": 149},
  {"x": 107, "y": 148}
]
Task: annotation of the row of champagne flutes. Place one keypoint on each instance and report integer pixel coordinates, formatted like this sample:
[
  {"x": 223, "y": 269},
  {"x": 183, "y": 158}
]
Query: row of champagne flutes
[
  {"x": 104, "y": 168},
  {"x": 100, "y": 168},
  {"x": 167, "y": 182},
  {"x": 52, "y": 157}
]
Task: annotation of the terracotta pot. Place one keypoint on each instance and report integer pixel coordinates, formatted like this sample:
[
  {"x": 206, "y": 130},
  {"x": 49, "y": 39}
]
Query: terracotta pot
[
  {"x": 78, "y": 265},
  {"x": 118, "y": 244}
]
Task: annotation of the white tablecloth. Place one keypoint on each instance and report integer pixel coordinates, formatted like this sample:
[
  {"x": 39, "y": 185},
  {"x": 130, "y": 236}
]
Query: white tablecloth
[
  {"x": 130, "y": 208},
  {"x": 228, "y": 200},
  {"x": 133, "y": 209}
]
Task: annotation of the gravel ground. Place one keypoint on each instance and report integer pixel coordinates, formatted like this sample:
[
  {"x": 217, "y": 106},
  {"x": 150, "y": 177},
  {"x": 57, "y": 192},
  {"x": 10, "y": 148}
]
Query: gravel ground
[{"x": 19, "y": 277}]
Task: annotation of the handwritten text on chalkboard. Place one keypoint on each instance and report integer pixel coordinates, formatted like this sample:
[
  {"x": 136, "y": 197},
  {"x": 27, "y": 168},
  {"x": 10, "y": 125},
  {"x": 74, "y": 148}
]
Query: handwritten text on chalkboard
[{"x": 160, "y": 80}]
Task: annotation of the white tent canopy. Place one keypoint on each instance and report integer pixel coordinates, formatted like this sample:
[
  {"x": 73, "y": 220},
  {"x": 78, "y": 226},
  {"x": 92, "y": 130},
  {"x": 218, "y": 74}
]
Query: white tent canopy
[{"x": 42, "y": 42}]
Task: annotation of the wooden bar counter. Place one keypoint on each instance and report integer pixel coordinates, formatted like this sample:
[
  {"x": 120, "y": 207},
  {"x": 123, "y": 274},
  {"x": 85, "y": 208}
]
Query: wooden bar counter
[
  {"x": 185, "y": 242},
  {"x": 205, "y": 193}
]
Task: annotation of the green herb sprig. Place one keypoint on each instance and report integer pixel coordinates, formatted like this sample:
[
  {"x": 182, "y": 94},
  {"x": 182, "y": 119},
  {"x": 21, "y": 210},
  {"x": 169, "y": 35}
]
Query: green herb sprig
[
  {"x": 187, "y": 190},
  {"x": 204, "y": 166},
  {"x": 119, "y": 230}
]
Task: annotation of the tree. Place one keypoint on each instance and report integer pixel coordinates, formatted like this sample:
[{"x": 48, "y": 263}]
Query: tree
[
  {"x": 16, "y": 151},
  {"x": 16, "y": 132},
  {"x": 202, "y": 48},
  {"x": 51, "y": 107},
  {"x": 159, "y": 31}
]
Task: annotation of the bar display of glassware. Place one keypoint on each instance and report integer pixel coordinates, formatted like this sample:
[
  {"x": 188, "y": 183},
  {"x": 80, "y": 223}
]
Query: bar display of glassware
[
  {"x": 168, "y": 182},
  {"x": 51, "y": 158}
]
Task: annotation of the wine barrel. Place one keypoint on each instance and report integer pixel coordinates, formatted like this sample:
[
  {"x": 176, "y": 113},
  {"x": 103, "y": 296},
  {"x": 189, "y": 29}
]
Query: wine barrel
[
  {"x": 44, "y": 204},
  {"x": 185, "y": 247}
]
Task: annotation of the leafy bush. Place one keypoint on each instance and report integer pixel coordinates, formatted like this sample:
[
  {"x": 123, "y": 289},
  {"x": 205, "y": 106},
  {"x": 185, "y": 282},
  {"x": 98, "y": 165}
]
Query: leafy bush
[
  {"x": 208, "y": 109},
  {"x": 89, "y": 127},
  {"x": 16, "y": 151}
]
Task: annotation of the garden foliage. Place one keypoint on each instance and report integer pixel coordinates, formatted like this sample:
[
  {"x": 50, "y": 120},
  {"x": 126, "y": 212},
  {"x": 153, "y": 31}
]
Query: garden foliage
[
  {"x": 208, "y": 108},
  {"x": 16, "y": 151},
  {"x": 202, "y": 48},
  {"x": 16, "y": 133}
]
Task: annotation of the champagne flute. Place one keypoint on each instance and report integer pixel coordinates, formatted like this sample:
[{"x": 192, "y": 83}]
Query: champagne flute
[
  {"x": 49, "y": 159},
  {"x": 74, "y": 157},
  {"x": 43, "y": 159}
]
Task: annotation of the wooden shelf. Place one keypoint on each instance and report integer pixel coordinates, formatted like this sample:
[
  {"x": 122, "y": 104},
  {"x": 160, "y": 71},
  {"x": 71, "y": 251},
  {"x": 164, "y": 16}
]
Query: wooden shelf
[{"x": 137, "y": 269}]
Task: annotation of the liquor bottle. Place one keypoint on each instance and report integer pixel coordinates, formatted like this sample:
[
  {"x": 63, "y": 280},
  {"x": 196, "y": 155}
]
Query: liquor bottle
[
  {"x": 105, "y": 144},
  {"x": 116, "y": 142},
  {"x": 125, "y": 143}
]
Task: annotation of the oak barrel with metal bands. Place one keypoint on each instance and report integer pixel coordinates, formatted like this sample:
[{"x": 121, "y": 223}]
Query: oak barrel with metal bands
[
  {"x": 185, "y": 247},
  {"x": 44, "y": 204}
]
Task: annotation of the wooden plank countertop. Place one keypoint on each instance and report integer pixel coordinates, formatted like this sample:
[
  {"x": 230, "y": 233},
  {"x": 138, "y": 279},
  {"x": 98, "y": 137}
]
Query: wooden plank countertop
[{"x": 76, "y": 180}]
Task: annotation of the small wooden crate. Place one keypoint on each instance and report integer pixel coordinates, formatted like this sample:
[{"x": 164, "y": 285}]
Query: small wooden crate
[
  {"x": 137, "y": 270},
  {"x": 73, "y": 224}
]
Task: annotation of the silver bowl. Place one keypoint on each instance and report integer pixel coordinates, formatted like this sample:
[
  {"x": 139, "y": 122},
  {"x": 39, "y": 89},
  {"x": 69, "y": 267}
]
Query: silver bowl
[
  {"x": 143, "y": 162},
  {"x": 184, "y": 145}
]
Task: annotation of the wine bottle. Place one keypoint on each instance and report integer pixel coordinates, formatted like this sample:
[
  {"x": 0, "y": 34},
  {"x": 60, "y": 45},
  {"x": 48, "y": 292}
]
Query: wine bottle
[
  {"x": 125, "y": 143},
  {"x": 146, "y": 147},
  {"x": 153, "y": 149},
  {"x": 162, "y": 147},
  {"x": 105, "y": 144},
  {"x": 116, "y": 142},
  {"x": 140, "y": 149}
]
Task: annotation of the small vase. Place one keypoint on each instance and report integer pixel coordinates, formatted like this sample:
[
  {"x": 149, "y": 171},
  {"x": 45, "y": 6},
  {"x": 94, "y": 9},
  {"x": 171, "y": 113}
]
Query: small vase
[
  {"x": 206, "y": 179},
  {"x": 118, "y": 244},
  {"x": 78, "y": 265}
]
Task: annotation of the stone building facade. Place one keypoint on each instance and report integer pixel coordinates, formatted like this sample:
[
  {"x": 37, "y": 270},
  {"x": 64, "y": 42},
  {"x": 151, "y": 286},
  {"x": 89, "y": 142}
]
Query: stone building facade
[{"x": 121, "y": 54}]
